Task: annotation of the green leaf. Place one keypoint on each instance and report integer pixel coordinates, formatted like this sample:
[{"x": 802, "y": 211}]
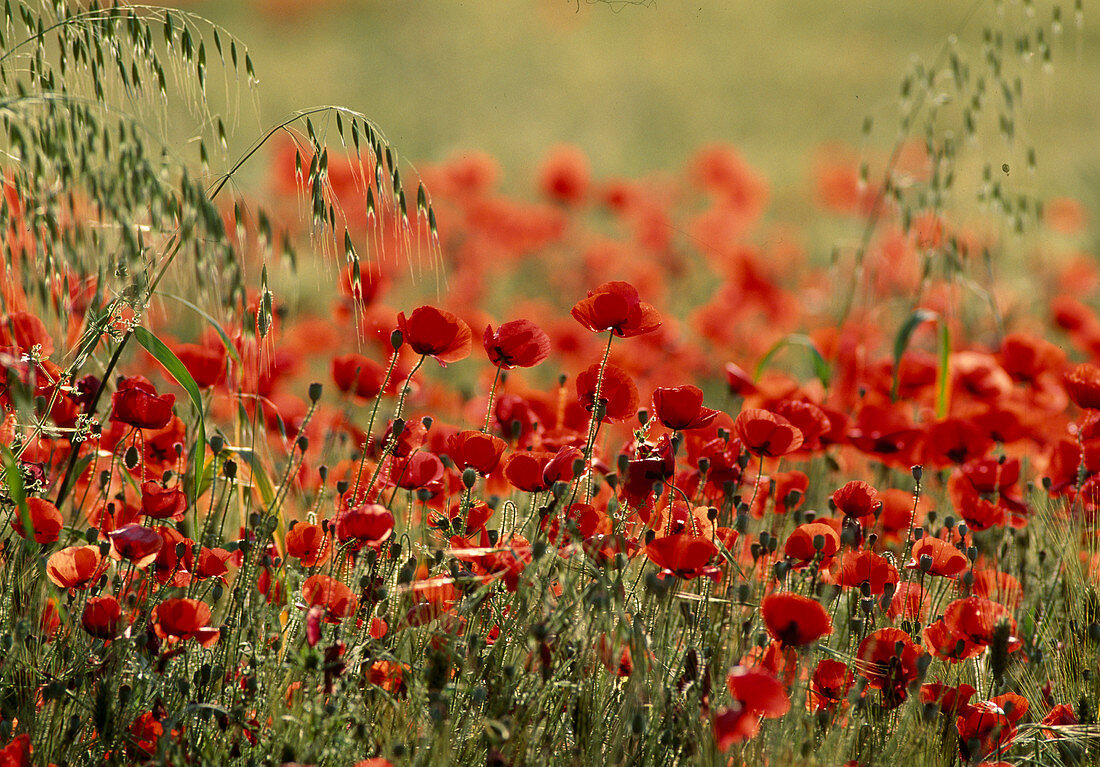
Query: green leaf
[
  {"x": 820, "y": 366},
  {"x": 901, "y": 343},
  {"x": 259, "y": 476},
  {"x": 167, "y": 358},
  {"x": 229, "y": 346}
]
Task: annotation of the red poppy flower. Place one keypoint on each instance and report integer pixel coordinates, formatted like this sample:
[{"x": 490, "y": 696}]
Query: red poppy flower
[
  {"x": 942, "y": 558},
  {"x": 411, "y": 438},
  {"x": 998, "y": 586},
  {"x": 162, "y": 503},
  {"x": 684, "y": 555},
  {"x": 883, "y": 431},
  {"x": 206, "y": 364},
  {"x": 358, "y": 375},
  {"x": 810, "y": 540},
  {"x": 615, "y": 306},
  {"x": 808, "y": 418},
  {"x": 25, "y": 331},
  {"x": 888, "y": 660},
  {"x": 477, "y": 517},
  {"x": 946, "y": 645},
  {"x": 829, "y": 684},
  {"x": 46, "y": 521},
  {"x": 910, "y": 601},
  {"x": 795, "y": 620},
  {"x": 955, "y": 440},
  {"x": 334, "y": 597},
  {"x": 617, "y": 390},
  {"x": 17, "y": 753},
  {"x": 951, "y": 700},
  {"x": 857, "y": 499},
  {"x": 766, "y": 434},
  {"x": 990, "y": 475},
  {"x": 177, "y": 620},
  {"x": 211, "y": 563},
  {"x": 979, "y": 513},
  {"x": 564, "y": 176},
  {"x": 985, "y": 730},
  {"x": 756, "y": 694},
  {"x": 859, "y": 567},
  {"x": 137, "y": 403},
  {"x": 75, "y": 567},
  {"x": 436, "y": 333},
  {"x": 102, "y": 617},
  {"x": 681, "y": 407},
  {"x": 475, "y": 450},
  {"x": 525, "y": 470},
  {"x": 308, "y": 543},
  {"x": 516, "y": 344},
  {"x": 417, "y": 471},
  {"x": 655, "y": 464},
  {"x": 369, "y": 524},
  {"x": 1061, "y": 715},
  {"x": 1083, "y": 386},
  {"x": 790, "y": 492},
  {"x": 975, "y": 619},
  {"x": 560, "y": 466},
  {"x": 135, "y": 543}
]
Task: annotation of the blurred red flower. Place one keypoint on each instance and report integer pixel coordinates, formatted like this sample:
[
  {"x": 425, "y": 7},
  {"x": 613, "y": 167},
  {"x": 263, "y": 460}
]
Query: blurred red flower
[
  {"x": 177, "y": 620},
  {"x": 358, "y": 375},
  {"x": 829, "y": 684},
  {"x": 46, "y": 521},
  {"x": 206, "y": 364},
  {"x": 795, "y": 620},
  {"x": 102, "y": 617},
  {"x": 888, "y": 659},
  {"x": 756, "y": 694},
  {"x": 334, "y": 597},
  {"x": 617, "y": 389}
]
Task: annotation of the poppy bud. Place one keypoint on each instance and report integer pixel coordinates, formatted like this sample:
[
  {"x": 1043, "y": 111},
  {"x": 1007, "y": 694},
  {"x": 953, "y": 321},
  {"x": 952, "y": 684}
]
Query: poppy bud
[
  {"x": 469, "y": 478},
  {"x": 396, "y": 339},
  {"x": 315, "y": 390}
]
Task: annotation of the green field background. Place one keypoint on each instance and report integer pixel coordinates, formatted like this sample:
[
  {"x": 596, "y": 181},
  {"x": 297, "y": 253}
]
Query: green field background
[{"x": 641, "y": 87}]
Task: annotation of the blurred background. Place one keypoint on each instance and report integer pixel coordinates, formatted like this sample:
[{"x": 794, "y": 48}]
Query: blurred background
[{"x": 641, "y": 87}]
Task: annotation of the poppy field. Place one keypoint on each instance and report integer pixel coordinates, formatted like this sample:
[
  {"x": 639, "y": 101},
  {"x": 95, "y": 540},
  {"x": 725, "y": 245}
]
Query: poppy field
[{"x": 314, "y": 456}]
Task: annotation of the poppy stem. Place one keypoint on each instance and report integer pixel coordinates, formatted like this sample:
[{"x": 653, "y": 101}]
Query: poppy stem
[
  {"x": 389, "y": 446},
  {"x": 370, "y": 422},
  {"x": 594, "y": 422},
  {"x": 489, "y": 407}
]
